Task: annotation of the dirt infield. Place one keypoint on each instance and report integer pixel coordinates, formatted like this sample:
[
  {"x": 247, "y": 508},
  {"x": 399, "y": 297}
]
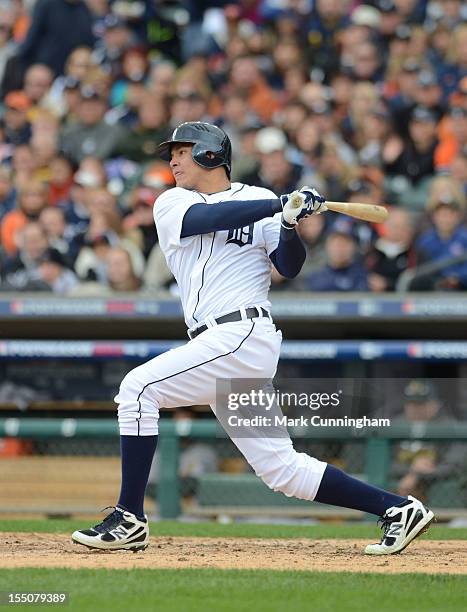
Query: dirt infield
[{"x": 52, "y": 550}]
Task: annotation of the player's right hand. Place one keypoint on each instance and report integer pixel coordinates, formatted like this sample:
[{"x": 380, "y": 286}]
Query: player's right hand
[
  {"x": 300, "y": 204},
  {"x": 313, "y": 200}
]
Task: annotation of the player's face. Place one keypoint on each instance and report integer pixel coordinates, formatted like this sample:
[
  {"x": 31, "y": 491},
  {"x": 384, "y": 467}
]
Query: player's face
[{"x": 187, "y": 173}]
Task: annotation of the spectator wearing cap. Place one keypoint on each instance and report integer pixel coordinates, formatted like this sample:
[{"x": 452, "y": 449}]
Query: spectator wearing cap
[
  {"x": 447, "y": 238},
  {"x": 368, "y": 17},
  {"x": 389, "y": 21},
  {"x": 410, "y": 163},
  {"x": 139, "y": 144},
  {"x": 90, "y": 135},
  {"x": 274, "y": 170},
  {"x": 392, "y": 253},
  {"x": 396, "y": 51},
  {"x": 327, "y": 19},
  {"x": 429, "y": 94},
  {"x": 77, "y": 68},
  {"x": 419, "y": 466},
  {"x": 57, "y": 27},
  {"x": 402, "y": 102},
  {"x": 450, "y": 12},
  {"x": 71, "y": 100},
  {"x": 411, "y": 11},
  {"x": 32, "y": 199},
  {"x": 15, "y": 117},
  {"x": 440, "y": 34},
  {"x": 90, "y": 175},
  {"x": 343, "y": 270},
  {"x": 20, "y": 269},
  {"x": 54, "y": 271},
  {"x": 125, "y": 114},
  {"x": 117, "y": 38},
  {"x": 156, "y": 179},
  {"x": 350, "y": 39}
]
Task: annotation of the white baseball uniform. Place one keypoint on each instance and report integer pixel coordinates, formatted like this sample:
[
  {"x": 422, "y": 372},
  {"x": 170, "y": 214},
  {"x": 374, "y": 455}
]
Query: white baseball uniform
[{"x": 218, "y": 273}]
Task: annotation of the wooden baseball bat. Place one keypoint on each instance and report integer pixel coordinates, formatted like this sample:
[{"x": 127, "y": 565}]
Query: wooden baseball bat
[{"x": 365, "y": 212}]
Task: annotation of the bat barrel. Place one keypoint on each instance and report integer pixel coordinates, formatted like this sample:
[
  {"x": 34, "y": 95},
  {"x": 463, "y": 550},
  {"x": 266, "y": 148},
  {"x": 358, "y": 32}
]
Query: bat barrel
[{"x": 365, "y": 212}]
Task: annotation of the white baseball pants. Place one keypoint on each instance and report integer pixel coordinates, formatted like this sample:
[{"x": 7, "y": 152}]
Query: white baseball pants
[{"x": 186, "y": 376}]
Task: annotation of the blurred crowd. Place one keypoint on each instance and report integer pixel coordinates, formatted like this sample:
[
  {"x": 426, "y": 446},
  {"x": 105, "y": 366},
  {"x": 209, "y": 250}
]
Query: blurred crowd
[{"x": 366, "y": 101}]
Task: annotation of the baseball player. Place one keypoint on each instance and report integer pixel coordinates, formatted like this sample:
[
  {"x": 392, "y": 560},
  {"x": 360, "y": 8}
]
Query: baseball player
[{"x": 220, "y": 239}]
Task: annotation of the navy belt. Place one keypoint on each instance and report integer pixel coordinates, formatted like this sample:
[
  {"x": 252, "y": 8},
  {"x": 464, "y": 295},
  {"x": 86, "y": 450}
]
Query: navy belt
[{"x": 251, "y": 313}]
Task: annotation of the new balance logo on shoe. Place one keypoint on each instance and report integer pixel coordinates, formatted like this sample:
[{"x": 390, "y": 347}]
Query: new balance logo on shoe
[
  {"x": 119, "y": 533},
  {"x": 395, "y": 529},
  {"x": 401, "y": 524}
]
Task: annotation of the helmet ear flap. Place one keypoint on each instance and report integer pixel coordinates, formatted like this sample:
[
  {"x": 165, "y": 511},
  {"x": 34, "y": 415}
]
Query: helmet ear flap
[{"x": 200, "y": 154}]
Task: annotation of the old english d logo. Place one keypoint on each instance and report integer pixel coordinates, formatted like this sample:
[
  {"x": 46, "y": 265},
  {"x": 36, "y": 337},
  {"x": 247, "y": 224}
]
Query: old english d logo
[{"x": 241, "y": 236}]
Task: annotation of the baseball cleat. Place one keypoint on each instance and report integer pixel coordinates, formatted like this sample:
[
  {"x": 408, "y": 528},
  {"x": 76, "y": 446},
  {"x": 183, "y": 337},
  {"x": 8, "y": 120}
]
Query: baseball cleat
[
  {"x": 401, "y": 524},
  {"x": 120, "y": 530}
]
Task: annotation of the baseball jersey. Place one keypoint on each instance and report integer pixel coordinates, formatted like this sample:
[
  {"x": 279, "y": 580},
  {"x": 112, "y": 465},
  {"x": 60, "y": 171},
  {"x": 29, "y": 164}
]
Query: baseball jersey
[{"x": 221, "y": 271}]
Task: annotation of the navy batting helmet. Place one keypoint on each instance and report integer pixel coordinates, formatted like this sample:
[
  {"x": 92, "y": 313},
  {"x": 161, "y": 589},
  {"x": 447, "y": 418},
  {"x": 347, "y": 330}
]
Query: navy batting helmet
[{"x": 205, "y": 138}]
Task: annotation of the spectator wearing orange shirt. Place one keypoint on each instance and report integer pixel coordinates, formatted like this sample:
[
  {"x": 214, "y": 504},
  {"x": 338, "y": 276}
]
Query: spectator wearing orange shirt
[
  {"x": 246, "y": 77},
  {"x": 455, "y": 139},
  {"x": 32, "y": 199},
  {"x": 17, "y": 126}
]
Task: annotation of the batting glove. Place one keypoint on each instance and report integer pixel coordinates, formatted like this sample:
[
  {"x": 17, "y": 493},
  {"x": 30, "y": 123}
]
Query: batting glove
[
  {"x": 314, "y": 201},
  {"x": 300, "y": 204}
]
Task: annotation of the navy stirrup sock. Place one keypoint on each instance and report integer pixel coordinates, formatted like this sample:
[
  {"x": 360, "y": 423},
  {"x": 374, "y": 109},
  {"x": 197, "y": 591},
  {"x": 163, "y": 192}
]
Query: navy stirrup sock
[
  {"x": 137, "y": 453},
  {"x": 339, "y": 489}
]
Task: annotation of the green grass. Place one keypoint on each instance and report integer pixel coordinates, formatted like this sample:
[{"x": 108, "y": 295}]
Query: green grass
[
  {"x": 240, "y": 590},
  {"x": 239, "y": 530}
]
